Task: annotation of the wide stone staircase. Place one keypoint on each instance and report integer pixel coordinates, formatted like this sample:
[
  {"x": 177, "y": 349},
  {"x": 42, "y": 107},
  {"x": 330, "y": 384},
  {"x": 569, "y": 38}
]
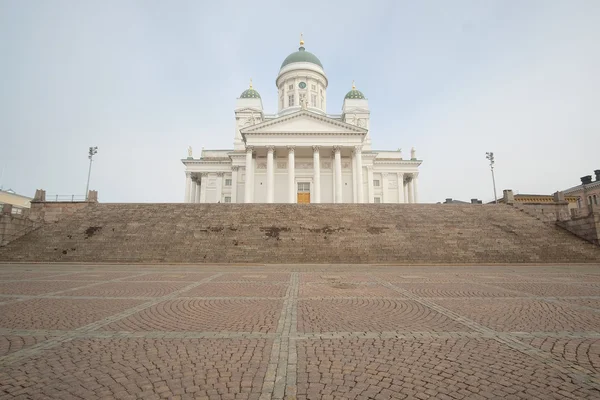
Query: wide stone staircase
[{"x": 296, "y": 233}]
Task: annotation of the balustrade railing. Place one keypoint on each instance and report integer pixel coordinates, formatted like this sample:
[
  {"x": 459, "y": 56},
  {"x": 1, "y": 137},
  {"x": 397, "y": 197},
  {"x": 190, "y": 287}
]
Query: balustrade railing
[{"x": 65, "y": 198}]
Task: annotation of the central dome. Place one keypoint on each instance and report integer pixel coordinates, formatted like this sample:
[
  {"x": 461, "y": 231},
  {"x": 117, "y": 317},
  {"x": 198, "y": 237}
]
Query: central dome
[{"x": 301, "y": 56}]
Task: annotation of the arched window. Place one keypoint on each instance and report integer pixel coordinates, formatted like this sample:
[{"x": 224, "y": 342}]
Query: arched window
[
  {"x": 590, "y": 200},
  {"x": 595, "y": 200},
  {"x": 579, "y": 202}
]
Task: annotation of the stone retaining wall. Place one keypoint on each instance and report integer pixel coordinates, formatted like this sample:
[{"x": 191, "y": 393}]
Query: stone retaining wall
[
  {"x": 301, "y": 233},
  {"x": 586, "y": 227}
]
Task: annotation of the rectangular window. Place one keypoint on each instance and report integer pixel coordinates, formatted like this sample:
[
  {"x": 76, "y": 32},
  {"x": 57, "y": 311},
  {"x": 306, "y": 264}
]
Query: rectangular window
[
  {"x": 376, "y": 182},
  {"x": 291, "y": 100},
  {"x": 227, "y": 182},
  {"x": 291, "y": 87},
  {"x": 227, "y": 199},
  {"x": 303, "y": 187},
  {"x": 313, "y": 100},
  {"x": 377, "y": 199},
  {"x": 313, "y": 87}
]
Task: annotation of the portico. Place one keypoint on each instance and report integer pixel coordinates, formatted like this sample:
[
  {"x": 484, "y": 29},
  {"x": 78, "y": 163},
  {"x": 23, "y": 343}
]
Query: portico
[{"x": 286, "y": 174}]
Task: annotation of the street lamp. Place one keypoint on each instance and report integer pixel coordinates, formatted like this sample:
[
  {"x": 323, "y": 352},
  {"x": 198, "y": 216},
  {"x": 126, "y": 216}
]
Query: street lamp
[
  {"x": 490, "y": 157},
  {"x": 91, "y": 152}
]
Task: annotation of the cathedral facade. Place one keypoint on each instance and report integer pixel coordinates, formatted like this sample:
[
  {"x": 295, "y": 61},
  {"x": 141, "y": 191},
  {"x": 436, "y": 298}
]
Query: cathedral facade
[{"x": 301, "y": 154}]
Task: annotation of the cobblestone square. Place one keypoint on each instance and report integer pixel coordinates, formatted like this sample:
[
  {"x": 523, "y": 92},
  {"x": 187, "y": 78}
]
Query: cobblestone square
[{"x": 299, "y": 332}]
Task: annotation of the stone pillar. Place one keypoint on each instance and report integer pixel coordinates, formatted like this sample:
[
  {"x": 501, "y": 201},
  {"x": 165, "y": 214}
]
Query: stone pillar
[
  {"x": 359, "y": 175},
  {"x": 410, "y": 190},
  {"x": 40, "y": 196},
  {"x": 405, "y": 186},
  {"x": 249, "y": 181},
  {"x": 316, "y": 175},
  {"x": 415, "y": 187},
  {"x": 219, "y": 187},
  {"x": 199, "y": 189},
  {"x": 400, "y": 187},
  {"x": 338, "y": 174},
  {"x": 193, "y": 191},
  {"x": 333, "y": 176},
  {"x": 384, "y": 187},
  {"x": 234, "y": 179},
  {"x": 188, "y": 186},
  {"x": 270, "y": 174},
  {"x": 203, "y": 186},
  {"x": 354, "y": 187},
  {"x": 370, "y": 189},
  {"x": 291, "y": 175},
  {"x": 509, "y": 197}
]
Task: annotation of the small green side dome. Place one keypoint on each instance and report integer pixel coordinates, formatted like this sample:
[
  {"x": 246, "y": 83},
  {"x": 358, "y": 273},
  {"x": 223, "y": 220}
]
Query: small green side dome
[
  {"x": 250, "y": 94},
  {"x": 301, "y": 56},
  {"x": 354, "y": 94}
]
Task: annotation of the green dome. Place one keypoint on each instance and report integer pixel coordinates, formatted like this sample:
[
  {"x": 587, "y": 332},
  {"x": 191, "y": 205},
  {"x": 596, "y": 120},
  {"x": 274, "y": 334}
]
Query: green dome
[
  {"x": 354, "y": 94},
  {"x": 250, "y": 94},
  {"x": 301, "y": 56}
]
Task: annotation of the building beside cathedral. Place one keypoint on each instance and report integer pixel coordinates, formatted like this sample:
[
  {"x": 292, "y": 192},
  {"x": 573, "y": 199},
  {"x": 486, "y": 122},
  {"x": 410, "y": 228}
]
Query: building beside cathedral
[{"x": 301, "y": 154}]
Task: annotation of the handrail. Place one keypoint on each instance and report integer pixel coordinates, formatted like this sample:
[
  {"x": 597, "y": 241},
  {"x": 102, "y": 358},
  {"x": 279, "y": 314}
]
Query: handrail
[{"x": 65, "y": 198}]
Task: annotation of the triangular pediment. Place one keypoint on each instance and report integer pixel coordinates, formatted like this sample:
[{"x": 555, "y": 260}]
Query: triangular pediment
[
  {"x": 303, "y": 122},
  {"x": 248, "y": 110}
]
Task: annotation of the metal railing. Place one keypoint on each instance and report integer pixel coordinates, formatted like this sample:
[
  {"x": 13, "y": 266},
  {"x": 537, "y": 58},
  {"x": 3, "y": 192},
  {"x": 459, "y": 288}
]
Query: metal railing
[{"x": 65, "y": 197}]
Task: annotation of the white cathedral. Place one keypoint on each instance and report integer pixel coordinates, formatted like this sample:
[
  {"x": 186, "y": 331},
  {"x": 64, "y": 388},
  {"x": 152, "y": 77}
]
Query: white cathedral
[{"x": 302, "y": 154}]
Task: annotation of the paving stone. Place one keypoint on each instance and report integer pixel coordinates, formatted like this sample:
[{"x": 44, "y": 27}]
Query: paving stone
[
  {"x": 238, "y": 289},
  {"x": 205, "y": 315},
  {"x": 365, "y": 315},
  {"x": 130, "y": 289},
  {"x": 124, "y": 368},
  {"x": 59, "y": 313},
  {"x": 37, "y": 287},
  {"x": 300, "y": 332},
  {"x": 522, "y": 315},
  {"x": 346, "y": 289}
]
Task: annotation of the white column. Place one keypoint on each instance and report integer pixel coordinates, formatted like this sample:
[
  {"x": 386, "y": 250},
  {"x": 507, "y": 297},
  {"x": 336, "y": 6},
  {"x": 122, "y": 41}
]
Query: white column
[
  {"x": 296, "y": 94},
  {"x": 333, "y": 177},
  {"x": 359, "y": 175},
  {"x": 193, "y": 191},
  {"x": 203, "y": 186},
  {"x": 370, "y": 189},
  {"x": 270, "y": 174},
  {"x": 188, "y": 187},
  {"x": 249, "y": 181},
  {"x": 198, "y": 189},
  {"x": 354, "y": 188},
  {"x": 338, "y": 174},
  {"x": 234, "y": 179},
  {"x": 415, "y": 189},
  {"x": 384, "y": 187},
  {"x": 291, "y": 175},
  {"x": 316, "y": 175},
  {"x": 400, "y": 187},
  {"x": 410, "y": 190},
  {"x": 219, "y": 187}
]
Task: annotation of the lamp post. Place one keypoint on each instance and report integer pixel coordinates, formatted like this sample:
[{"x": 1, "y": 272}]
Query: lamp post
[
  {"x": 490, "y": 157},
  {"x": 91, "y": 152}
]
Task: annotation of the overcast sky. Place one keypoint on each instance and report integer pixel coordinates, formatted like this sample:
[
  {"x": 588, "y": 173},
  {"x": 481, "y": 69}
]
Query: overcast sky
[{"x": 142, "y": 80}]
